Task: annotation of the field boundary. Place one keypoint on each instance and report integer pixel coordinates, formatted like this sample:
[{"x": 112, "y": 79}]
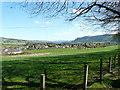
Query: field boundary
[
  {"x": 26, "y": 55},
  {"x": 102, "y": 71}
]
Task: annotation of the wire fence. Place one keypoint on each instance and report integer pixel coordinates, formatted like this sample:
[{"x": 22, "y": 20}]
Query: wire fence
[{"x": 79, "y": 75}]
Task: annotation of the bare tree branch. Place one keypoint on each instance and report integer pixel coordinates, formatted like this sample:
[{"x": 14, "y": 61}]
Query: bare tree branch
[{"x": 105, "y": 13}]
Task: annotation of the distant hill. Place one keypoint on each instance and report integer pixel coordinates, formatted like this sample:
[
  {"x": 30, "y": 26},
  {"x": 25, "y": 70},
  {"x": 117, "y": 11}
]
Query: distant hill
[
  {"x": 87, "y": 39},
  {"x": 14, "y": 41},
  {"x": 20, "y": 41},
  {"x": 92, "y": 39}
]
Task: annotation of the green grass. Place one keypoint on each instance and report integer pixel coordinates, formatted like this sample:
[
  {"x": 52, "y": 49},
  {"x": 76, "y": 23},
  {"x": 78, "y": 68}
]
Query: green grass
[
  {"x": 64, "y": 68},
  {"x": 108, "y": 81},
  {"x": 69, "y": 51}
]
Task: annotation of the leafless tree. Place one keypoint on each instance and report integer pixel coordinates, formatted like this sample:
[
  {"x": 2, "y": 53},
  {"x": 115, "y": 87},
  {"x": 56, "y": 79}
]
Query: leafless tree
[{"x": 105, "y": 13}]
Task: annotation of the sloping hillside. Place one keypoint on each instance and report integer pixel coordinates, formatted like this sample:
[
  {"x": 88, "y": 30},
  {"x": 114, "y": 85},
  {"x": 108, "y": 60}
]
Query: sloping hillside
[
  {"x": 87, "y": 39},
  {"x": 12, "y": 41},
  {"x": 92, "y": 39}
]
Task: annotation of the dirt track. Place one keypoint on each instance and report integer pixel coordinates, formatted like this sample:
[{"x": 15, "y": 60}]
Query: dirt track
[{"x": 25, "y": 55}]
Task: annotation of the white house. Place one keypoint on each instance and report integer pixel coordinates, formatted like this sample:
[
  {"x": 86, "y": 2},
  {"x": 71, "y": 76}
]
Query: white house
[{"x": 14, "y": 51}]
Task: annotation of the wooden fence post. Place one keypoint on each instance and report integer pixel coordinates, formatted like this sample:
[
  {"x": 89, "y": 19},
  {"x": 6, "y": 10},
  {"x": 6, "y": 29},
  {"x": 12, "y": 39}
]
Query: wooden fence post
[
  {"x": 85, "y": 76},
  {"x": 42, "y": 82},
  {"x": 109, "y": 70},
  {"x": 101, "y": 69},
  {"x": 114, "y": 61}
]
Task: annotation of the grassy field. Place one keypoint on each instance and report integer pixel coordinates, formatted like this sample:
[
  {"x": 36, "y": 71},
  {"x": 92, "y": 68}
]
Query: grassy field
[
  {"x": 63, "y": 68},
  {"x": 67, "y": 51}
]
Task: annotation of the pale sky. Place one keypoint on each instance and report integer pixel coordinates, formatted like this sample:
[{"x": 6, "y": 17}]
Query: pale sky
[{"x": 18, "y": 24}]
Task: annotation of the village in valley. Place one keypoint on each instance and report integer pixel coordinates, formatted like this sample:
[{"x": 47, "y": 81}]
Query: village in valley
[
  {"x": 12, "y": 46},
  {"x": 8, "y": 49},
  {"x": 60, "y": 45}
]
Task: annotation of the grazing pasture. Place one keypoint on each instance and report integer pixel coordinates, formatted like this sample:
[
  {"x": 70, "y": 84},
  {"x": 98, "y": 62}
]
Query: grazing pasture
[{"x": 63, "y": 68}]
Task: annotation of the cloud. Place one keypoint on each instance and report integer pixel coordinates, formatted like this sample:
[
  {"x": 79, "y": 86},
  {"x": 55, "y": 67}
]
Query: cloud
[
  {"x": 37, "y": 22},
  {"x": 76, "y": 11},
  {"x": 92, "y": 17},
  {"x": 47, "y": 22}
]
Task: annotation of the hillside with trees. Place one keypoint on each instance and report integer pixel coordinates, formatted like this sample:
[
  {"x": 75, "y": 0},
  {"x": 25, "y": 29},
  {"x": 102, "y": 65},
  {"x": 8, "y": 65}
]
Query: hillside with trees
[{"x": 106, "y": 38}]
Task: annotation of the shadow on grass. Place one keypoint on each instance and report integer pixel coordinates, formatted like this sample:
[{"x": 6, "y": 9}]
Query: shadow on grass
[
  {"x": 64, "y": 85},
  {"x": 29, "y": 84},
  {"x": 34, "y": 66},
  {"x": 116, "y": 83}
]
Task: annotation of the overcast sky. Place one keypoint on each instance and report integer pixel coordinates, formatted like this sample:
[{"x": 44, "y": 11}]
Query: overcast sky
[{"x": 18, "y": 24}]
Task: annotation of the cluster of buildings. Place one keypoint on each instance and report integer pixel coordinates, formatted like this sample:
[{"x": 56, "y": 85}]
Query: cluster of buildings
[{"x": 37, "y": 46}]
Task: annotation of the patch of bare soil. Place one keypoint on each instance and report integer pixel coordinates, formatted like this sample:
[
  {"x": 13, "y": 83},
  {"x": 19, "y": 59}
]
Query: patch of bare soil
[{"x": 26, "y": 55}]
